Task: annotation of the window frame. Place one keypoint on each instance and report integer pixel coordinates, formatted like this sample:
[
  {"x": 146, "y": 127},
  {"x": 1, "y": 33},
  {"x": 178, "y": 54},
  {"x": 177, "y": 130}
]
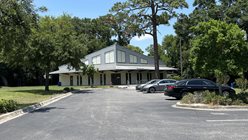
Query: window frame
[
  {"x": 96, "y": 57},
  {"x": 109, "y": 58},
  {"x": 122, "y": 56},
  {"x": 130, "y": 59},
  {"x": 146, "y": 62}
]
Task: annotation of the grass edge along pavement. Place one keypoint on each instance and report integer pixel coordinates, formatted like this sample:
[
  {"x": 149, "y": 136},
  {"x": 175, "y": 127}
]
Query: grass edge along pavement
[{"x": 17, "y": 113}]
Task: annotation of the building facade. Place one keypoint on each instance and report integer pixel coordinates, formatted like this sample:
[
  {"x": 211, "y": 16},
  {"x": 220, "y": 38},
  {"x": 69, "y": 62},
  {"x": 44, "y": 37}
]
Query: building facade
[{"x": 117, "y": 65}]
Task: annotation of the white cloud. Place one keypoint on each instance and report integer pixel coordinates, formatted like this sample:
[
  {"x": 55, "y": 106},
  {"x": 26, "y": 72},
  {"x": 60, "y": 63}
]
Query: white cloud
[{"x": 143, "y": 37}]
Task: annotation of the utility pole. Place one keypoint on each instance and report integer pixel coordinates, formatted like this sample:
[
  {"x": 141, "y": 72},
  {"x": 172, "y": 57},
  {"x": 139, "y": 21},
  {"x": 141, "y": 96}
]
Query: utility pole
[{"x": 181, "y": 57}]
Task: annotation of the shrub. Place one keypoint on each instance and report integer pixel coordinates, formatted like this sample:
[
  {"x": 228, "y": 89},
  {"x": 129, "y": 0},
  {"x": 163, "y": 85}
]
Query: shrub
[
  {"x": 188, "y": 99},
  {"x": 212, "y": 98},
  {"x": 7, "y": 105},
  {"x": 176, "y": 77},
  {"x": 242, "y": 83},
  {"x": 243, "y": 96},
  {"x": 238, "y": 102},
  {"x": 66, "y": 89}
]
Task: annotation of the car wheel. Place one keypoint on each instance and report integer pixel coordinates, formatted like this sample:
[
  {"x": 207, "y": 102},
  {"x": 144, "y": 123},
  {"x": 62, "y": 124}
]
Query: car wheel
[{"x": 152, "y": 90}]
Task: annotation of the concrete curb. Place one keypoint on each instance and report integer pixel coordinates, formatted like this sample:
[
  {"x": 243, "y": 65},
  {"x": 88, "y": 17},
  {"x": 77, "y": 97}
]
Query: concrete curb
[
  {"x": 209, "y": 107},
  {"x": 12, "y": 115}
]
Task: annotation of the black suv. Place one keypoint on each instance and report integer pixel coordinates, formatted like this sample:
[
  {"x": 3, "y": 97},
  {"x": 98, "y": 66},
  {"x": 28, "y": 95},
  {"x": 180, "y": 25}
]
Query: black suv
[{"x": 179, "y": 89}]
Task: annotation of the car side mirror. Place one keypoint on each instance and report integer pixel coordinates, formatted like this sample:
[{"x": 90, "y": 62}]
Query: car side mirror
[{"x": 157, "y": 83}]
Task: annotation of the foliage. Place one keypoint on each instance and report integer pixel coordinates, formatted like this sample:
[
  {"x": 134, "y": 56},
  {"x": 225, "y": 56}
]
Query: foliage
[
  {"x": 7, "y": 105},
  {"x": 218, "y": 47},
  {"x": 242, "y": 83},
  {"x": 143, "y": 17},
  {"x": 171, "y": 50},
  {"x": 176, "y": 77},
  {"x": 54, "y": 43},
  {"x": 188, "y": 99},
  {"x": 119, "y": 26},
  {"x": 17, "y": 17},
  {"x": 212, "y": 98},
  {"x": 97, "y": 31},
  {"x": 135, "y": 48},
  {"x": 89, "y": 70},
  {"x": 243, "y": 97}
]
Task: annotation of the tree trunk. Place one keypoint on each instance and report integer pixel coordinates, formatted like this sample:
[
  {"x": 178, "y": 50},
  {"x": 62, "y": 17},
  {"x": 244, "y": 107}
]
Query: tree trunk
[
  {"x": 47, "y": 80},
  {"x": 155, "y": 41}
]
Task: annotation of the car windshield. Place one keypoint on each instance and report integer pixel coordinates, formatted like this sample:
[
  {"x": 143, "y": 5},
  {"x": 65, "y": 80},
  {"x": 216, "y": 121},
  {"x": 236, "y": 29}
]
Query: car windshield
[{"x": 152, "y": 81}]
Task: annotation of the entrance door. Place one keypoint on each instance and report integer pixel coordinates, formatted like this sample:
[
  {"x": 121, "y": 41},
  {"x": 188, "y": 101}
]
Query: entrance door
[
  {"x": 116, "y": 78},
  {"x": 71, "y": 80}
]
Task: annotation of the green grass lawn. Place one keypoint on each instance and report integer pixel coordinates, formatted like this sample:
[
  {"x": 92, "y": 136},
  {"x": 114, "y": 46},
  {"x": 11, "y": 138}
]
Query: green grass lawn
[{"x": 25, "y": 96}]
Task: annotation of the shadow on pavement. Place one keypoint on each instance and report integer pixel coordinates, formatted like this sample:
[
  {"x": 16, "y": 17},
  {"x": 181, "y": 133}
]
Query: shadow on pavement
[
  {"x": 45, "y": 109},
  {"x": 171, "y": 99},
  {"x": 82, "y": 91}
]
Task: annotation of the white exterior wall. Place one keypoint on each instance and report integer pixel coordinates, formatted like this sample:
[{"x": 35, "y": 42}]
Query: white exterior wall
[{"x": 65, "y": 78}]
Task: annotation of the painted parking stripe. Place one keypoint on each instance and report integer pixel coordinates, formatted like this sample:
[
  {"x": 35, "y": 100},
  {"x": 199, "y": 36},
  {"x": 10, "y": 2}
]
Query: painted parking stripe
[
  {"x": 214, "y": 113},
  {"x": 234, "y": 120}
]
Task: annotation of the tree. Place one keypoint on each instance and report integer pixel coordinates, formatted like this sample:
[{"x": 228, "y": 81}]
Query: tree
[
  {"x": 218, "y": 48},
  {"x": 17, "y": 17},
  {"x": 119, "y": 26},
  {"x": 99, "y": 33},
  {"x": 54, "y": 43},
  {"x": 89, "y": 70},
  {"x": 145, "y": 15},
  {"x": 135, "y": 48}
]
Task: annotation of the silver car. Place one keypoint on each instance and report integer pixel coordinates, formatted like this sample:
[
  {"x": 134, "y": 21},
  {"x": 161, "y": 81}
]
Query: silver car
[
  {"x": 141, "y": 86},
  {"x": 158, "y": 86}
]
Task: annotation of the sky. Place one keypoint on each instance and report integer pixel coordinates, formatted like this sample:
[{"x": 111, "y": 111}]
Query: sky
[{"x": 96, "y": 8}]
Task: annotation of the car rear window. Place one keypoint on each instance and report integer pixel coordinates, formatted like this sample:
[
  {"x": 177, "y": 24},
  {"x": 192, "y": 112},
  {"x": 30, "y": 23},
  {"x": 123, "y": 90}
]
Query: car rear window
[
  {"x": 196, "y": 82},
  {"x": 181, "y": 83}
]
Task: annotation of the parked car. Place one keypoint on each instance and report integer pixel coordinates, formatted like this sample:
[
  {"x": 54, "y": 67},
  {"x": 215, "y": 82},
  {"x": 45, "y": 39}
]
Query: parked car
[
  {"x": 181, "y": 88},
  {"x": 141, "y": 86},
  {"x": 158, "y": 85}
]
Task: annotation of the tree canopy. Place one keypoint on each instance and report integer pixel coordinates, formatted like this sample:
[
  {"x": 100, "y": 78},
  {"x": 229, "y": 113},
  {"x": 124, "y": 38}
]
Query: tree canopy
[{"x": 218, "y": 48}]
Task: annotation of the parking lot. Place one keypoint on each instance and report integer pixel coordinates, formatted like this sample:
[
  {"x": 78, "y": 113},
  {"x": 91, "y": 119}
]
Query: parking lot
[{"x": 124, "y": 114}]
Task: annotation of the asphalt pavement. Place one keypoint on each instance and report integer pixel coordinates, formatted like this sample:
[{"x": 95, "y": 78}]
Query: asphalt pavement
[{"x": 122, "y": 114}]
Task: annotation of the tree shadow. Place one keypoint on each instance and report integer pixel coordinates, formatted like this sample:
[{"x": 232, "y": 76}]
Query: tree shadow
[
  {"x": 45, "y": 109},
  {"x": 84, "y": 91},
  {"x": 39, "y": 91}
]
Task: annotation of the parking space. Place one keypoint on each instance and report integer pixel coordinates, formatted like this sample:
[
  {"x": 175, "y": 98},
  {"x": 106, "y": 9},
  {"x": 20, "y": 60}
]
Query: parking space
[{"x": 125, "y": 114}]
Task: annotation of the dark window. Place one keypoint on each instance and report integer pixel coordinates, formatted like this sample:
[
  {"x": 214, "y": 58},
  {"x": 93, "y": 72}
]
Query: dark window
[
  {"x": 139, "y": 77},
  {"x": 149, "y": 76},
  {"x": 196, "y": 82},
  {"x": 128, "y": 78},
  {"x": 71, "y": 80},
  {"x": 209, "y": 83},
  {"x": 101, "y": 81},
  {"x": 77, "y": 80},
  {"x": 181, "y": 83},
  {"x": 89, "y": 80},
  {"x": 104, "y": 79},
  {"x": 81, "y": 81},
  {"x": 161, "y": 75},
  {"x": 163, "y": 82},
  {"x": 172, "y": 81}
]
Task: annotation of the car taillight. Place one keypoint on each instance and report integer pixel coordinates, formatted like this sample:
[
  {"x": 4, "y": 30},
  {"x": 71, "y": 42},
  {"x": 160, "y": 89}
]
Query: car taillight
[{"x": 169, "y": 87}]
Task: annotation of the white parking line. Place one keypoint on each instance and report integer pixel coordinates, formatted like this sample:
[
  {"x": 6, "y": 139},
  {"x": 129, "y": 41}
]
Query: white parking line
[
  {"x": 214, "y": 113},
  {"x": 234, "y": 120}
]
